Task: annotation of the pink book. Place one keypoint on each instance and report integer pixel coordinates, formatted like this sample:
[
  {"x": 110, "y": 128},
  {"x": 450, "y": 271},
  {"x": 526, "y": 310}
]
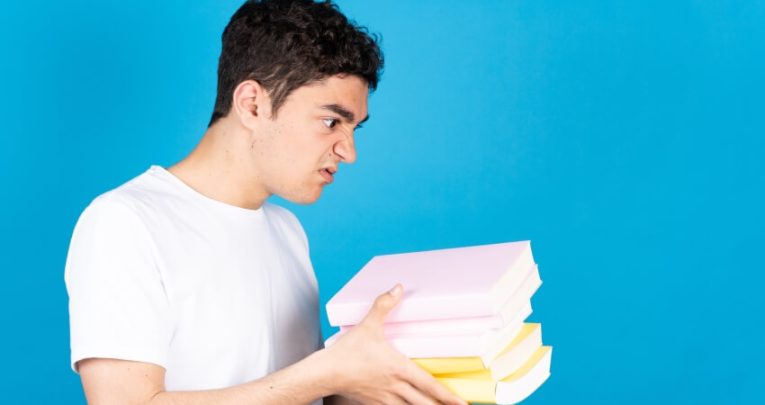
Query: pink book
[
  {"x": 462, "y": 282},
  {"x": 510, "y": 308},
  {"x": 486, "y": 344}
]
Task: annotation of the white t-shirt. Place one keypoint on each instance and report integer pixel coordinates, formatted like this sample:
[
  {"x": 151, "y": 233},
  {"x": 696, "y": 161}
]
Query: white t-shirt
[{"x": 216, "y": 294}]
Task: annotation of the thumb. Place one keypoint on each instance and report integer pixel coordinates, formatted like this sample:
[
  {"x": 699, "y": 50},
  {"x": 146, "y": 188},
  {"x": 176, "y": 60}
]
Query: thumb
[{"x": 383, "y": 305}]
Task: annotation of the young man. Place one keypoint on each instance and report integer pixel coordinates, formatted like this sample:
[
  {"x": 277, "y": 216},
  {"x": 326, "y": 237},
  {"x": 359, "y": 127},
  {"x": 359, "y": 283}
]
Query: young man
[{"x": 187, "y": 287}]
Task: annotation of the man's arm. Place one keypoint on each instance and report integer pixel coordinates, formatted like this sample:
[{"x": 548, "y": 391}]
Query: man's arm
[
  {"x": 338, "y": 400},
  {"x": 110, "y": 381},
  {"x": 361, "y": 366}
]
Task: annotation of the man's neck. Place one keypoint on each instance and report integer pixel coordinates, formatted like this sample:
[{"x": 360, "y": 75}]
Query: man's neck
[{"x": 216, "y": 169}]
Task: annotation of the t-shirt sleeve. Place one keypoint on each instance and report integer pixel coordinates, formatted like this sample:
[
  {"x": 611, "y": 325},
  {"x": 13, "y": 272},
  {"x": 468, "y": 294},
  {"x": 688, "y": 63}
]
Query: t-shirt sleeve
[{"x": 117, "y": 303}]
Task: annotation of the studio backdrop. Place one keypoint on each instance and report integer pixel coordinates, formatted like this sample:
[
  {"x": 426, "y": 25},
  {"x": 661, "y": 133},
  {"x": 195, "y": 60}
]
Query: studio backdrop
[{"x": 623, "y": 138}]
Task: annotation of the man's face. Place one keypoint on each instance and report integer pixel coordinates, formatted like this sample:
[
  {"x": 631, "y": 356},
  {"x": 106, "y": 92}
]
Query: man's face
[{"x": 297, "y": 153}]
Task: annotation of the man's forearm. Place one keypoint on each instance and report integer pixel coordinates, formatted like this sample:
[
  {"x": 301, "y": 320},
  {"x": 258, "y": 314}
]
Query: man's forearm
[
  {"x": 338, "y": 400},
  {"x": 301, "y": 383}
]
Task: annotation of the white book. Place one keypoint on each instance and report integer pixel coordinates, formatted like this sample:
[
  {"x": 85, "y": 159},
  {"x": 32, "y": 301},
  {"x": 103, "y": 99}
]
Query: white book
[
  {"x": 481, "y": 387},
  {"x": 512, "y": 358}
]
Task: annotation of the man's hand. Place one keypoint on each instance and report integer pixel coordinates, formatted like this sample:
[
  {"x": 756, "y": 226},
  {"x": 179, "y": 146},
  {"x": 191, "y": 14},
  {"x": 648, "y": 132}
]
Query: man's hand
[{"x": 367, "y": 368}]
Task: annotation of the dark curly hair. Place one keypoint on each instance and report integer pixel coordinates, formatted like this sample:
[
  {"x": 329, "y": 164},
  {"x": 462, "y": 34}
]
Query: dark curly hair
[{"x": 285, "y": 44}]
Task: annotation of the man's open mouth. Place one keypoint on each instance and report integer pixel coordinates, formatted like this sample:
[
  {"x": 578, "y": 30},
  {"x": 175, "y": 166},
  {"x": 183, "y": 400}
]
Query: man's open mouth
[{"x": 328, "y": 174}]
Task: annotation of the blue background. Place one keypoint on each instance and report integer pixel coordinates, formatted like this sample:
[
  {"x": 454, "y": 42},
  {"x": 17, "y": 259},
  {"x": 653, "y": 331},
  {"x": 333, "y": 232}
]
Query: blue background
[{"x": 624, "y": 138}]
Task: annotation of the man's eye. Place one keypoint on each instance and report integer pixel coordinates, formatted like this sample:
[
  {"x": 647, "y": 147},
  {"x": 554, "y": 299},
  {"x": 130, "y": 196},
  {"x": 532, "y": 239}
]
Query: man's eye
[{"x": 330, "y": 122}]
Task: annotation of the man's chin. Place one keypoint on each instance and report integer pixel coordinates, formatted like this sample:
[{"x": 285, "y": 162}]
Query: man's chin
[{"x": 303, "y": 199}]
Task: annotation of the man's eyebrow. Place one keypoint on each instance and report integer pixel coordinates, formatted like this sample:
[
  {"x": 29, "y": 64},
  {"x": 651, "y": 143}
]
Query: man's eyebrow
[{"x": 343, "y": 112}]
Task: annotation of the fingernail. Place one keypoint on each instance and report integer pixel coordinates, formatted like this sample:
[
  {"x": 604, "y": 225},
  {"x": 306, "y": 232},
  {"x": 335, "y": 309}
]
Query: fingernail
[{"x": 396, "y": 291}]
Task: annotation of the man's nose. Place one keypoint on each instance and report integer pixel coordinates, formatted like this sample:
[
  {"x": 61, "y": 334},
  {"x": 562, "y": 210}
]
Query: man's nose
[{"x": 346, "y": 149}]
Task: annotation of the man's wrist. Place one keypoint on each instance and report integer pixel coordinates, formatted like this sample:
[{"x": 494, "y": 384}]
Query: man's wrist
[{"x": 324, "y": 370}]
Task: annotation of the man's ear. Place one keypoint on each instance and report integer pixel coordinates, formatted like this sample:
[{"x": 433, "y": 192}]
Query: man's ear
[{"x": 250, "y": 102}]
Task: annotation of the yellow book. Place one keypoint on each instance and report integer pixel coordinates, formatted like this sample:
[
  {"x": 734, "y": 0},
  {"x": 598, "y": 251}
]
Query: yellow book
[
  {"x": 481, "y": 387},
  {"x": 445, "y": 365},
  {"x": 512, "y": 357}
]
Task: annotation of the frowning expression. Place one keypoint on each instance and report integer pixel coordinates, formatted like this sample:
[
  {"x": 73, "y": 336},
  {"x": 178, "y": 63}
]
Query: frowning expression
[{"x": 298, "y": 152}]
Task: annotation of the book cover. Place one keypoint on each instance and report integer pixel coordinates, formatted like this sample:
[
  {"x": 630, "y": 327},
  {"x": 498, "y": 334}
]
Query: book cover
[{"x": 461, "y": 282}]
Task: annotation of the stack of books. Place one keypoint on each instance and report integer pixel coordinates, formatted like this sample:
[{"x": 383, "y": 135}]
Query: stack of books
[{"x": 461, "y": 317}]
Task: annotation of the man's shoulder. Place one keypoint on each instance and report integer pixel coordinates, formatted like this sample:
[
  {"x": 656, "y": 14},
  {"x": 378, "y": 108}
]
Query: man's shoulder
[
  {"x": 147, "y": 186},
  {"x": 136, "y": 195}
]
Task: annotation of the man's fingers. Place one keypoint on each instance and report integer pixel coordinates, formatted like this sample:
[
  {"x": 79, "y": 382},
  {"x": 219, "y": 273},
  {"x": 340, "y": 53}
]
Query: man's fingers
[
  {"x": 383, "y": 304},
  {"x": 413, "y": 396},
  {"x": 426, "y": 383}
]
